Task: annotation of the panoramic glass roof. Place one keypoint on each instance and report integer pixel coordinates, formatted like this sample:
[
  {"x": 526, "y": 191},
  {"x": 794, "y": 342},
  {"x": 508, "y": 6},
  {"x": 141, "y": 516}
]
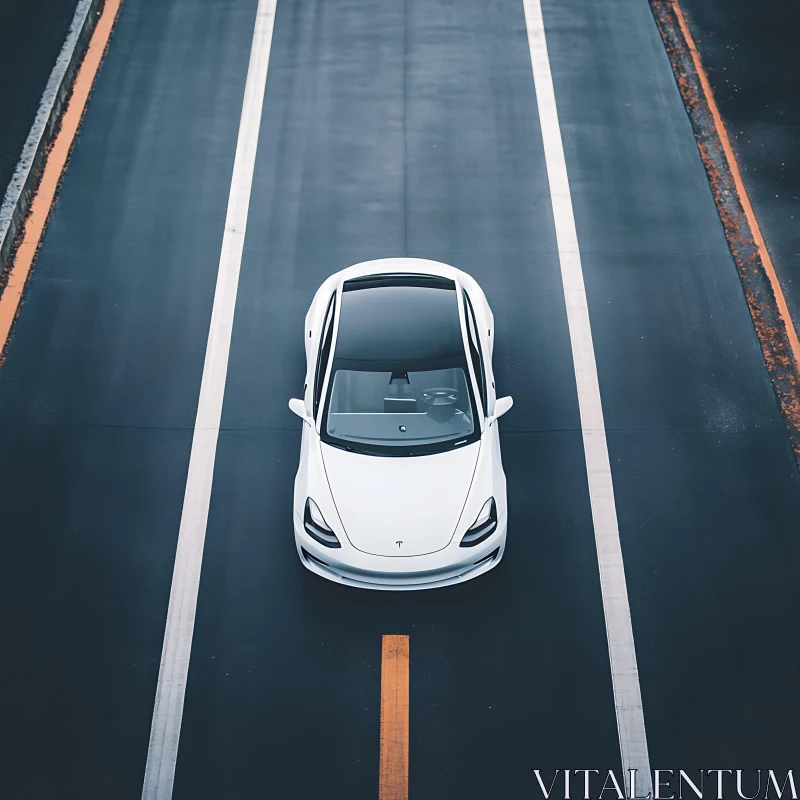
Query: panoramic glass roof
[{"x": 402, "y": 318}]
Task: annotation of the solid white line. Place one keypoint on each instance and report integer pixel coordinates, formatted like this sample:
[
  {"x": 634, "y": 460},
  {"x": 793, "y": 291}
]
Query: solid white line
[
  {"x": 162, "y": 752},
  {"x": 621, "y": 650}
]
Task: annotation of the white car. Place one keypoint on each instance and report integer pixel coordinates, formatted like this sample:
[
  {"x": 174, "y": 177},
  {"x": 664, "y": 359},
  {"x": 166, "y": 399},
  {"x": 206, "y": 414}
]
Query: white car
[{"x": 400, "y": 484}]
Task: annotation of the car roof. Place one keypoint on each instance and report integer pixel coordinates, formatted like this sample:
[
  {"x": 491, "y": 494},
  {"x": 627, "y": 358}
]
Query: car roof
[{"x": 401, "y": 317}]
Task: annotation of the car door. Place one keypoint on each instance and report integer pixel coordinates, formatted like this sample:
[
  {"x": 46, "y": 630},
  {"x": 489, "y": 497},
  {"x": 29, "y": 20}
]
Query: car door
[
  {"x": 320, "y": 331},
  {"x": 480, "y": 355}
]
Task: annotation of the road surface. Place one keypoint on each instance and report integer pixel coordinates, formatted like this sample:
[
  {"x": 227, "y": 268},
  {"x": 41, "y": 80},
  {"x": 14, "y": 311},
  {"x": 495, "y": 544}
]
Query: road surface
[{"x": 388, "y": 129}]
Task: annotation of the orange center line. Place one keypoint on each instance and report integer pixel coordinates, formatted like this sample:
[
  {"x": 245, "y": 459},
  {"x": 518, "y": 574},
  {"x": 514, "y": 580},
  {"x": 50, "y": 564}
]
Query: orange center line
[
  {"x": 393, "y": 776},
  {"x": 722, "y": 132},
  {"x": 36, "y": 221}
]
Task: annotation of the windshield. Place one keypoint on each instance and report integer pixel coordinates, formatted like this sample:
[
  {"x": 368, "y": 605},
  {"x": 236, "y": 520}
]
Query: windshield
[{"x": 400, "y": 412}]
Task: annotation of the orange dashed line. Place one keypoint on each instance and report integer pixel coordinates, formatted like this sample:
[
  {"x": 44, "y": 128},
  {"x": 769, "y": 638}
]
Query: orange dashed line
[
  {"x": 36, "y": 221},
  {"x": 393, "y": 774},
  {"x": 780, "y": 300}
]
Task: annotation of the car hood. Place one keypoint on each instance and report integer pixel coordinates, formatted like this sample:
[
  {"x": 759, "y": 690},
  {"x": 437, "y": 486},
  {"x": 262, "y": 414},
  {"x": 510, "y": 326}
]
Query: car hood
[{"x": 385, "y": 500}]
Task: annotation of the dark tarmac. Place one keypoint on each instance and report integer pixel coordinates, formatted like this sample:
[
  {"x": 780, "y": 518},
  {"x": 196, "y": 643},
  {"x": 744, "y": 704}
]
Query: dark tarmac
[
  {"x": 749, "y": 49},
  {"x": 398, "y": 129},
  {"x": 31, "y": 35}
]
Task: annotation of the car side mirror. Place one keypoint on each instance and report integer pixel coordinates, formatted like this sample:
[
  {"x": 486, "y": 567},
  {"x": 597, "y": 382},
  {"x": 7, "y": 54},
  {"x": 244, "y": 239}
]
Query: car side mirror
[
  {"x": 299, "y": 407},
  {"x": 501, "y": 406}
]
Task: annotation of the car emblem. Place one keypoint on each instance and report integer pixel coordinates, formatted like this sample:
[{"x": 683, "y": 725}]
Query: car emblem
[{"x": 398, "y": 543}]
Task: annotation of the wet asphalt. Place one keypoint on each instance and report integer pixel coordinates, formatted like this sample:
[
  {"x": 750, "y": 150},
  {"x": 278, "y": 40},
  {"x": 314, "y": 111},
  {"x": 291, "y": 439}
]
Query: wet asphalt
[{"x": 409, "y": 128}]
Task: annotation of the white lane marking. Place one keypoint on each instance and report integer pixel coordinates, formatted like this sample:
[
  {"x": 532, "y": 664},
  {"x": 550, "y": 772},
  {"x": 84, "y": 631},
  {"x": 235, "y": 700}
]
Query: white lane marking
[
  {"x": 165, "y": 732},
  {"x": 621, "y": 650}
]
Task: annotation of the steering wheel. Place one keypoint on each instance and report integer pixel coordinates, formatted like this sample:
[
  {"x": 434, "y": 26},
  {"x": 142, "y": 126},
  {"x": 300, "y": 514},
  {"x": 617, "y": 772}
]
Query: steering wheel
[
  {"x": 441, "y": 403},
  {"x": 440, "y": 397}
]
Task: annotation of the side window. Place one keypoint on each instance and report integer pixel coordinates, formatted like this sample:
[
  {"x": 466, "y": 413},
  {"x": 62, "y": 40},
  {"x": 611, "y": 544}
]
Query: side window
[
  {"x": 475, "y": 351},
  {"x": 324, "y": 352}
]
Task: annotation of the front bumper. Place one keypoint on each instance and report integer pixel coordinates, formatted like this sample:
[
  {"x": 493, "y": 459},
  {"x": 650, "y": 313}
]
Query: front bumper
[{"x": 449, "y": 566}]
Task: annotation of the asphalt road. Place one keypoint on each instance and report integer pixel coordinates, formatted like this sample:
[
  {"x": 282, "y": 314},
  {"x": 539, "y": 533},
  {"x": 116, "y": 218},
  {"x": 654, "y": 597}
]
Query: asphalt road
[
  {"x": 388, "y": 129},
  {"x": 31, "y": 34},
  {"x": 750, "y": 51}
]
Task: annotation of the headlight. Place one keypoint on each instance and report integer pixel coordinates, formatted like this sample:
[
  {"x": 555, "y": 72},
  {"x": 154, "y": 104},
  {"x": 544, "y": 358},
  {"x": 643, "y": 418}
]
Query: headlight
[
  {"x": 316, "y": 527},
  {"x": 483, "y": 527}
]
